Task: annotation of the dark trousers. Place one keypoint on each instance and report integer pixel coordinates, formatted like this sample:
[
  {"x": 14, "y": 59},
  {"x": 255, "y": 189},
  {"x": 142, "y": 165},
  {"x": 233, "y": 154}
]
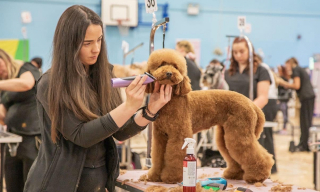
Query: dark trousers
[
  {"x": 306, "y": 115},
  {"x": 266, "y": 138},
  {"x": 17, "y": 167},
  {"x": 284, "y": 109},
  {"x": 93, "y": 179}
]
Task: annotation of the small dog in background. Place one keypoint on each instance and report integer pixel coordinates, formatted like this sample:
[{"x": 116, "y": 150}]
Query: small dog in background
[{"x": 213, "y": 77}]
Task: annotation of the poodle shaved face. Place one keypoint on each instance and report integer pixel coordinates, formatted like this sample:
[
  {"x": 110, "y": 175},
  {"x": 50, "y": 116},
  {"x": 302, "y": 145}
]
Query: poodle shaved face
[
  {"x": 168, "y": 66},
  {"x": 167, "y": 74}
]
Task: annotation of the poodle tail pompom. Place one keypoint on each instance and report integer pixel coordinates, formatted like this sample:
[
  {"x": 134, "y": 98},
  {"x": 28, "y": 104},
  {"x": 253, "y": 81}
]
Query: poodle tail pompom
[{"x": 260, "y": 121}]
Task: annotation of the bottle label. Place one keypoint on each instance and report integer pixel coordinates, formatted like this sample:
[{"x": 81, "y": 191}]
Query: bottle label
[{"x": 189, "y": 173}]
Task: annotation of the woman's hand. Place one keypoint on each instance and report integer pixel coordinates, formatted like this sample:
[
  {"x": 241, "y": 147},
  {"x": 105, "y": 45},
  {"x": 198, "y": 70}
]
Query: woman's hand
[
  {"x": 283, "y": 83},
  {"x": 161, "y": 95},
  {"x": 135, "y": 93}
]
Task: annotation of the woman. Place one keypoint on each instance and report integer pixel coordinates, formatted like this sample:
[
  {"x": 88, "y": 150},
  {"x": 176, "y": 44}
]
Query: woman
[
  {"x": 284, "y": 95},
  {"x": 18, "y": 111},
  {"x": 185, "y": 48},
  {"x": 301, "y": 83},
  {"x": 237, "y": 76},
  {"x": 37, "y": 61},
  {"x": 80, "y": 112}
]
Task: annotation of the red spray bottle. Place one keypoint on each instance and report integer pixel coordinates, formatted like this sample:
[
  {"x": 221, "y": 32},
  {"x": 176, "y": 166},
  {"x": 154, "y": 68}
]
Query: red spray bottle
[{"x": 189, "y": 167}]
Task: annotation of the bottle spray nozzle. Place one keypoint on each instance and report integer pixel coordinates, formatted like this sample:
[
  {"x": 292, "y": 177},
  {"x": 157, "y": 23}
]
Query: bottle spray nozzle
[{"x": 190, "y": 142}]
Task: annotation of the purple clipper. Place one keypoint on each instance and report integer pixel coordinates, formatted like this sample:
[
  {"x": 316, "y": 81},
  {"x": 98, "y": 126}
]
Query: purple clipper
[{"x": 125, "y": 82}]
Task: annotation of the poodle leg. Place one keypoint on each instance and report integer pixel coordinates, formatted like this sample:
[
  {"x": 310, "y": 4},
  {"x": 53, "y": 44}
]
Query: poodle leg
[
  {"x": 174, "y": 155},
  {"x": 244, "y": 148},
  {"x": 233, "y": 170},
  {"x": 159, "y": 142}
]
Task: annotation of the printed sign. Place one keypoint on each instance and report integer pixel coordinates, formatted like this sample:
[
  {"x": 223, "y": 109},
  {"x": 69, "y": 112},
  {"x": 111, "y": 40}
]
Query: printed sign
[
  {"x": 241, "y": 22},
  {"x": 151, "y": 6}
]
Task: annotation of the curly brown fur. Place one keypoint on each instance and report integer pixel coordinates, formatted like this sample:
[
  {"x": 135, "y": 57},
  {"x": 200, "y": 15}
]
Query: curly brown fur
[{"x": 239, "y": 121}]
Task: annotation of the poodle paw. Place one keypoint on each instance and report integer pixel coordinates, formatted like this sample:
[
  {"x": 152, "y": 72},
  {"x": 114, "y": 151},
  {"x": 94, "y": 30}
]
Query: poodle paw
[
  {"x": 233, "y": 174},
  {"x": 254, "y": 178},
  {"x": 154, "y": 177}
]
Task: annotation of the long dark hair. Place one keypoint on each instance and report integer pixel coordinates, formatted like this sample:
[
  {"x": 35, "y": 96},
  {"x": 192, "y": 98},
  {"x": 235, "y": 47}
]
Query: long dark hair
[
  {"x": 87, "y": 96},
  {"x": 234, "y": 64},
  {"x": 293, "y": 60}
]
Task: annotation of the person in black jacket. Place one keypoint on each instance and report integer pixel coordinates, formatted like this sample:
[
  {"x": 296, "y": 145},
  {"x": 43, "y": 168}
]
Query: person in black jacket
[
  {"x": 37, "y": 62},
  {"x": 80, "y": 112},
  {"x": 302, "y": 85},
  {"x": 186, "y": 50},
  {"x": 18, "y": 111}
]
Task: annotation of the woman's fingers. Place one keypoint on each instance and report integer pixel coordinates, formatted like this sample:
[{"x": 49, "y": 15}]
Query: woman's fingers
[
  {"x": 139, "y": 84},
  {"x": 133, "y": 84},
  {"x": 170, "y": 92},
  {"x": 141, "y": 91},
  {"x": 162, "y": 92}
]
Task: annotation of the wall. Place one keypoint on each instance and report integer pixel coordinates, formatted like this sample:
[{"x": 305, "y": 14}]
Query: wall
[{"x": 275, "y": 26}]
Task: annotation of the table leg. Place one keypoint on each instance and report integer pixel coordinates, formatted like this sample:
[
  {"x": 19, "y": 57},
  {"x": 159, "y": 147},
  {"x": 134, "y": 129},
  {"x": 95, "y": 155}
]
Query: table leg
[{"x": 2, "y": 145}]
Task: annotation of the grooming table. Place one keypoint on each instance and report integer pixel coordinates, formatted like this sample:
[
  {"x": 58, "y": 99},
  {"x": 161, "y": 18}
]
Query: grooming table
[
  {"x": 315, "y": 148},
  {"x": 133, "y": 186}
]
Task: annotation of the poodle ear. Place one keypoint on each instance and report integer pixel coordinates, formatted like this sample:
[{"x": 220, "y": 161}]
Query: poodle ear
[
  {"x": 184, "y": 87},
  {"x": 150, "y": 87}
]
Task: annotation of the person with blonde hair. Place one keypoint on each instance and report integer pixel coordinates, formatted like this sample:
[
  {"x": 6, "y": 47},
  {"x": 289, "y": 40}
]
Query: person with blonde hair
[
  {"x": 185, "y": 48},
  {"x": 18, "y": 111},
  {"x": 9, "y": 68},
  {"x": 302, "y": 85}
]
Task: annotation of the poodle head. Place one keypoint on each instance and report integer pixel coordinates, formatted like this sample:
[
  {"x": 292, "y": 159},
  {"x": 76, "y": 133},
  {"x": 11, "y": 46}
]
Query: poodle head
[{"x": 169, "y": 68}]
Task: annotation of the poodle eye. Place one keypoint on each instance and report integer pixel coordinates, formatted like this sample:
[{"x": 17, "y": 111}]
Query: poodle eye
[{"x": 211, "y": 75}]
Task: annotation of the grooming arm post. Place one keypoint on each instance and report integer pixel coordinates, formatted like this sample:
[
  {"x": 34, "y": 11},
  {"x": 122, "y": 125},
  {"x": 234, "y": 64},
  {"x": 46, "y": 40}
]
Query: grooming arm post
[
  {"x": 153, "y": 31},
  {"x": 131, "y": 51},
  {"x": 155, "y": 26}
]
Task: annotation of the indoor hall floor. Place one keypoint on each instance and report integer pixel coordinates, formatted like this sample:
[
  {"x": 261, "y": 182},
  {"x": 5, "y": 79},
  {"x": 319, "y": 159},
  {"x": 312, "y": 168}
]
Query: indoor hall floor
[{"x": 293, "y": 168}]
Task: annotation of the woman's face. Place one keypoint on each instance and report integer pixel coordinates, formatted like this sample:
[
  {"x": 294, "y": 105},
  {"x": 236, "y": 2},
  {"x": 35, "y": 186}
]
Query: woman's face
[
  {"x": 91, "y": 45},
  {"x": 288, "y": 67},
  {"x": 3, "y": 70},
  {"x": 240, "y": 52},
  {"x": 181, "y": 50}
]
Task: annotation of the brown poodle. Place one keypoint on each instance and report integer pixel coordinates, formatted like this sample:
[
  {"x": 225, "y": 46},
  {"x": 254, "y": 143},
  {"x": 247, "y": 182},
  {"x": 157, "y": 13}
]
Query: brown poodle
[{"x": 239, "y": 121}]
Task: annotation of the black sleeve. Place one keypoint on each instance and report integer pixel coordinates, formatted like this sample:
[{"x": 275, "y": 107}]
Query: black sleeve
[
  {"x": 295, "y": 73},
  {"x": 15, "y": 97},
  {"x": 29, "y": 67},
  {"x": 5, "y": 100},
  {"x": 263, "y": 74},
  {"x": 86, "y": 134}
]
